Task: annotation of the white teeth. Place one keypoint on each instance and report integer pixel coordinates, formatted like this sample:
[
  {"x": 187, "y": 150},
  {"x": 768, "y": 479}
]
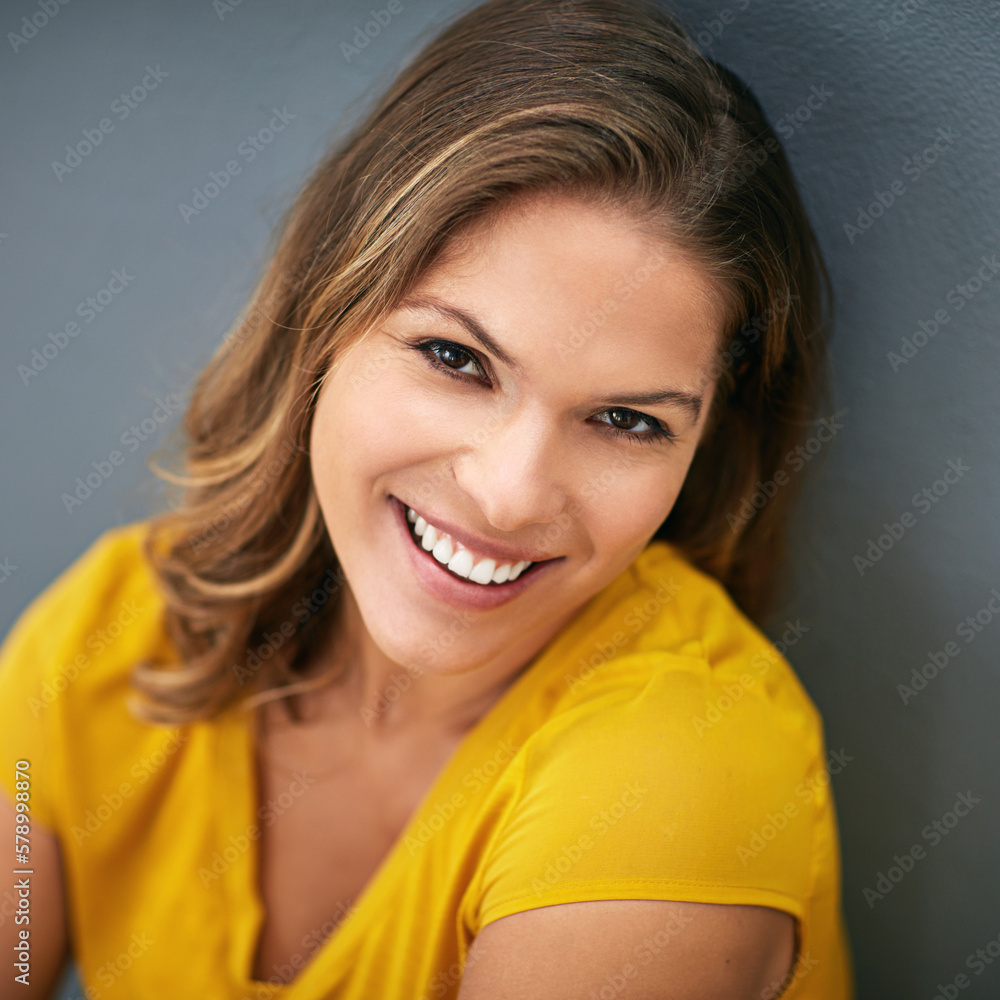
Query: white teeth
[
  {"x": 430, "y": 538},
  {"x": 458, "y": 559},
  {"x": 443, "y": 549},
  {"x": 460, "y": 563},
  {"x": 483, "y": 572}
]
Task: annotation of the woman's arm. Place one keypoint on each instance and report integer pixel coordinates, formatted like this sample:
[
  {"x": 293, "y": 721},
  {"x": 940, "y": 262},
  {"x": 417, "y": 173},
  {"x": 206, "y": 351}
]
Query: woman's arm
[
  {"x": 47, "y": 926},
  {"x": 640, "y": 949}
]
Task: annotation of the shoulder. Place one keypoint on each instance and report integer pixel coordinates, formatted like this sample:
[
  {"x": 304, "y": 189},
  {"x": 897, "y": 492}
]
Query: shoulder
[
  {"x": 113, "y": 564},
  {"x": 678, "y": 749},
  {"x": 670, "y": 630},
  {"x": 65, "y": 664},
  {"x": 106, "y": 601},
  {"x": 674, "y": 774}
]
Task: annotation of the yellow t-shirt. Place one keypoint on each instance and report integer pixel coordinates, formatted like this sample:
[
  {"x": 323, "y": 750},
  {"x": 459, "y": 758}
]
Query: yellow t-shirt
[{"x": 658, "y": 748}]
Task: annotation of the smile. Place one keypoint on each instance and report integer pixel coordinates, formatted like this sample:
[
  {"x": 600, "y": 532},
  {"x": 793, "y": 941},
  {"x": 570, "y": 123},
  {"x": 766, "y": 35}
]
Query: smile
[{"x": 462, "y": 561}]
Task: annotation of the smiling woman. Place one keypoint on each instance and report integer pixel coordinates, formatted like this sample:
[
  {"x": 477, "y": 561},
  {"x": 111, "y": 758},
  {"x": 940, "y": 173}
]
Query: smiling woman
[
  {"x": 445, "y": 678},
  {"x": 519, "y": 422}
]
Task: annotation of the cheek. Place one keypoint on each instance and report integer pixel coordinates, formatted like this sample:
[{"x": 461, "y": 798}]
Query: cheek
[
  {"x": 625, "y": 502},
  {"x": 364, "y": 427}
]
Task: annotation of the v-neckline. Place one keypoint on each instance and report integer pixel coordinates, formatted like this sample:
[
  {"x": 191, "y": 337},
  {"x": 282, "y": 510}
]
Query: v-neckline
[
  {"x": 237, "y": 753},
  {"x": 246, "y": 901}
]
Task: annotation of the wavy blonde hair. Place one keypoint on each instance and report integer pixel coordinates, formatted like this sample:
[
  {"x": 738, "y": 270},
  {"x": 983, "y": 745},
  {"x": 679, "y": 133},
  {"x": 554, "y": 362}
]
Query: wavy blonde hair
[{"x": 608, "y": 100}]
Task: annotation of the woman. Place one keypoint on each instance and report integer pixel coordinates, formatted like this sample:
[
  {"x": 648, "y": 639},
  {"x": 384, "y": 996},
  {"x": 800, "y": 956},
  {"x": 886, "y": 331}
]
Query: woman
[{"x": 439, "y": 678}]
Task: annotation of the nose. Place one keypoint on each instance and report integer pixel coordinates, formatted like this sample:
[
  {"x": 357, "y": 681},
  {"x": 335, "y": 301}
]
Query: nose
[{"x": 512, "y": 467}]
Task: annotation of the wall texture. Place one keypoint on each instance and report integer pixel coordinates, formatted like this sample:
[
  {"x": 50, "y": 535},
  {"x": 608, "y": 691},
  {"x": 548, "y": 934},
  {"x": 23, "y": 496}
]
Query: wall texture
[{"x": 889, "y": 114}]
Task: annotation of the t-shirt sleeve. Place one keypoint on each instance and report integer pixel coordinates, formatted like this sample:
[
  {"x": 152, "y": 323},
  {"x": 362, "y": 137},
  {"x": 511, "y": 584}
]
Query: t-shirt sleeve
[{"x": 688, "y": 787}]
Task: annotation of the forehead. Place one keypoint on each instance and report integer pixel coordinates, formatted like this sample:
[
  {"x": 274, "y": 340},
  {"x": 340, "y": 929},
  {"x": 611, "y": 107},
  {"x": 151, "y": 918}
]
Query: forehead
[{"x": 585, "y": 280}]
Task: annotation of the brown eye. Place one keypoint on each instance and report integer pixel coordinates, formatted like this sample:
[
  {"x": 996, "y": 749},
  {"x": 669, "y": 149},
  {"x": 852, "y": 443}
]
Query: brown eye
[
  {"x": 453, "y": 357},
  {"x": 624, "y": 419},
  {"x": 625, "y": 423}
]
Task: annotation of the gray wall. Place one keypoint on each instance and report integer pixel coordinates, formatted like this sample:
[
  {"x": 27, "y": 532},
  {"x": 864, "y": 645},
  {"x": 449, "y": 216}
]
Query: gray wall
[{"x": 886, "y": 80}]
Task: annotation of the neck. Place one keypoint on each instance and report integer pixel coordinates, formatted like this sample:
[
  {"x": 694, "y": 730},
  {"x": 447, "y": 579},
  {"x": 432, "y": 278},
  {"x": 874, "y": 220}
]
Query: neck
[{"x": 385, "y": 699}]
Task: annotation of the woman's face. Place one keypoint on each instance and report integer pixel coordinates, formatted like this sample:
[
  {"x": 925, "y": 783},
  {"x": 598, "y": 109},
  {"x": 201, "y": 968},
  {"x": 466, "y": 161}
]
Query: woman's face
[{"x": 517, "y": 404}]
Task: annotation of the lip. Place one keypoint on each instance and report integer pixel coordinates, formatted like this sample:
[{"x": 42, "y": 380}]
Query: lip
[
  {"x": 481, "y": 548},
  {"x": 452, "y": 589}
]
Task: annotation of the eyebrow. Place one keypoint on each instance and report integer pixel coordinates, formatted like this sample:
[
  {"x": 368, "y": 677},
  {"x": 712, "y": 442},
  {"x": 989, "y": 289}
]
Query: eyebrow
[
  {"x": 685, "y": 400},
  {"x": 471, "y": 324}
]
